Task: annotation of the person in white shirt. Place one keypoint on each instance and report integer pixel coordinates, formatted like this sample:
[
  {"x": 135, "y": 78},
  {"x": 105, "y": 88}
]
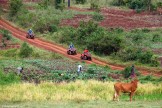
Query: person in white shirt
[{"x": 79, "y": 69}]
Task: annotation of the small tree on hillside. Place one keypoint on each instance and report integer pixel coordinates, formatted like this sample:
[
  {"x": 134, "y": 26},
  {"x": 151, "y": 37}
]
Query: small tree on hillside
[{"x": 15, "y": 6}]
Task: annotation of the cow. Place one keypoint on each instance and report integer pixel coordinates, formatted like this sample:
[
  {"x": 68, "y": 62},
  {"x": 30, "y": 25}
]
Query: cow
[{"x": 125, "y": 88}]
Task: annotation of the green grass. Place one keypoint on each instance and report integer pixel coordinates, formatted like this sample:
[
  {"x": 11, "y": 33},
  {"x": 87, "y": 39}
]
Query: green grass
[
  {"x": 78, "y": 91},
  {"x": 86, "y": 104}
]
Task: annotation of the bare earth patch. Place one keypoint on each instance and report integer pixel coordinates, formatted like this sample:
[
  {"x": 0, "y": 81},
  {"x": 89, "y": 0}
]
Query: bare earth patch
[{"x": 114, "y": 18}]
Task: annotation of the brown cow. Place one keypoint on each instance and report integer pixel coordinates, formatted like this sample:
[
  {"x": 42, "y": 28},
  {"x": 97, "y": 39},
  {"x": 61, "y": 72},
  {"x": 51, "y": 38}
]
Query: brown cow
[{"x": 125, "y": 88}]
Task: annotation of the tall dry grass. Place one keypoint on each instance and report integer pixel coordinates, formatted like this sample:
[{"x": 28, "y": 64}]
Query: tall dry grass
[{"x": 73, "y": 91}]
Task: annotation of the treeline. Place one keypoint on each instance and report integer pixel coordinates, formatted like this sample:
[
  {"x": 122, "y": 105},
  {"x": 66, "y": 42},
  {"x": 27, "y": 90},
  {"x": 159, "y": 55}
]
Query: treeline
[{"x": 138, "y": 4}]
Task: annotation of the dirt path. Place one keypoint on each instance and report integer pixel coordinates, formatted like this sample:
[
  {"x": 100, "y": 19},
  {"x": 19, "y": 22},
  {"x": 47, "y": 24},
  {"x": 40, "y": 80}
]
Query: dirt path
[{"x": 58, "y": 49}]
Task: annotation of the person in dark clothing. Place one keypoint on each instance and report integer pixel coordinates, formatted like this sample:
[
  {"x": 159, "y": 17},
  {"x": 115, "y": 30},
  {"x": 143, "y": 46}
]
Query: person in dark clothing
[{"x": 133, "y": 74}]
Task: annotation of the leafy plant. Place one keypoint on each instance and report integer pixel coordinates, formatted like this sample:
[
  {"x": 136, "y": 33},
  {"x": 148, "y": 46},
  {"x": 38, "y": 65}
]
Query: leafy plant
[
  {"x": 98, "y": 17},
  {"x": 25, "y": 50}
]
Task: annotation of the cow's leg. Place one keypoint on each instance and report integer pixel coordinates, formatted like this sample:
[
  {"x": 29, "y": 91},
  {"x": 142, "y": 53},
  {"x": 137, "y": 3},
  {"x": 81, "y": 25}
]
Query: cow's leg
[
  {"x": 118, "y": 93},
  {"x": 115, "y": 95},
  {"x": 131, "y": 94}
]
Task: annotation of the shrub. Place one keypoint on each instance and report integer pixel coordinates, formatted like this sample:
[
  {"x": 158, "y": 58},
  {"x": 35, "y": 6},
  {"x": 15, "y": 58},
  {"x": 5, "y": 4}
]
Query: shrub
[
  {"x": 44, "y": 4},
  {"x": 25, "y": 18},
  {"x": 156, "y": 38},
  {"x": 159, "y": 4},
  {"x": 127, "y": 72},
  {"x": 25, "y": 50},
  {"x": 136, "y": 4},
  {"x": 80, "y": 1},
  {"x": 145, "y": 57},
  {"x": 6, "y": 35},
  {"x": 8, "y": 78},
  {"x": 98, "y": 17},
  {"x": 90, "y": 35},
  {"x": 90, "y": 71},
  {"x": 145, "y": 30},
  {"x": 15, "y": 6},
  {"x": 59, "y": 4},
  {"x": 95, "y": 6},
  {"x": 52, "y": 28},
  {"x": 129, "y": 53},
  {"x": 118, "y": 2}
]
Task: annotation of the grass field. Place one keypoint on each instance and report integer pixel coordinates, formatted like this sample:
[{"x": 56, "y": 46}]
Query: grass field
[
  {"x": 86, "y": 104},
  {"x": 78, "y": 91}
]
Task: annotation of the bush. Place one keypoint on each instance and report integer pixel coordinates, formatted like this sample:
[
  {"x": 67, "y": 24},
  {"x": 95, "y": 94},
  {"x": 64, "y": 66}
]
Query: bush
[
  {"x": 44, "y": 4},
  {"x": 15, "y": 6},
  {"x": 136, "y": 4},
  {"x": 98, "y": 17},
  {"x": 25, "y": 50},
  {"x": 80, "y": 1},
  {"x": 59, "y": 4},
  {"x": 159, "y": 4},
  {"x": 95, "y": 6},
  {"x": 129, "y": 54},
  {"x": 25, "y": 18},
  {"x": 118, "y": 2},
  {"x": 8, "y": 78},
  {"x": 145, "y": 57},
  {"x": 52, "y": 28},
  {"x": 6, "y": 35},
  {"x": 127, "y": 72},
  {"x": 90, "y": 35},
  {"x": 156, "y": 38}
]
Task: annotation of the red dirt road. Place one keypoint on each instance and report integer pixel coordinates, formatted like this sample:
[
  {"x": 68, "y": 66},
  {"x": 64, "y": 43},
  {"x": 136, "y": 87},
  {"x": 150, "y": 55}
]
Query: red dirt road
[{"x": 58, "y": 49}]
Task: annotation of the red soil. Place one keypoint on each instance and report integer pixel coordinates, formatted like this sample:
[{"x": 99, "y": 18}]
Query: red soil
[
  {"x": 9, "y": 44},
  {"x": 114, "y": 18},
  {"x": 59, "y": 49}
]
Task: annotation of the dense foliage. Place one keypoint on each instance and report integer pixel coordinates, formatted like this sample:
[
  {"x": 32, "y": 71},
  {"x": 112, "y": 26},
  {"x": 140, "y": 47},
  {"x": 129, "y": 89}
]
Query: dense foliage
[
  {"x": 15, "y": 6},
  {"x": 80, "y": 1},
  {"x": 25, "y": 50},
  {"x": 8, "y": 78},
  {"x": 136, "y": 4},
  {"x": 90, "y": 35}
]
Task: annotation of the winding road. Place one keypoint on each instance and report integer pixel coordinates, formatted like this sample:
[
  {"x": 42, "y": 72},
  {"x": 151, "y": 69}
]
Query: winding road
[{"x": 21, "y": 34}]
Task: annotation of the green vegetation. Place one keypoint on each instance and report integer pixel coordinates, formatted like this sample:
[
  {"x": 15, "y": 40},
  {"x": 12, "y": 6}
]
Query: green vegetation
[
  {"x": 25, "y": 50},
  {"x": 15, "y": 6},
  {"x": 125, "y": 46},
  {"x": 138, "y": 5},
  {"x": 78, "y": 91},
  {"x": 85, "y": 104},
  {"x": 8, "y": 78}
]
